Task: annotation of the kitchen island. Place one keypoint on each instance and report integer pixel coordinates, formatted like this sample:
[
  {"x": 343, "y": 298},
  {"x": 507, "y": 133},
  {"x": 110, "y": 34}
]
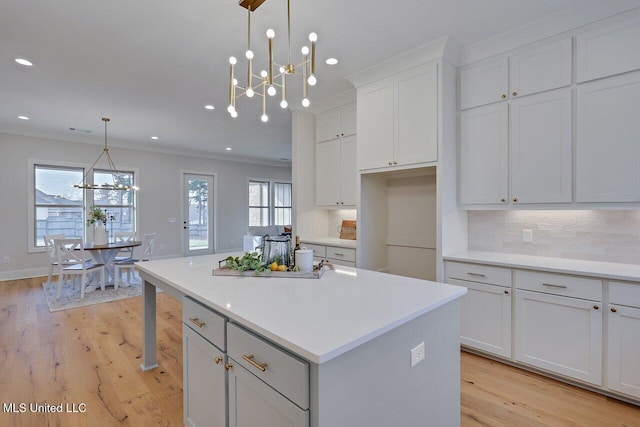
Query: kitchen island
[{"x": 350, "y": 337}]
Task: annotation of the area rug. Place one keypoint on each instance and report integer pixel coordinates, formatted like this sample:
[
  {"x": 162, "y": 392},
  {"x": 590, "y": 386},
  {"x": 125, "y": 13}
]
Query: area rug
[{"x": 70, "y": 297}]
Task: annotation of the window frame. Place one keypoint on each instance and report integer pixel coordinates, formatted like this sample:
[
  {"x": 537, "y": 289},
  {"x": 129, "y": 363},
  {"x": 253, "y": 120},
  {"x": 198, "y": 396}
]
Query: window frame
[
  {"x": 87, "y": 196},
  {"x": 271, "y": 203}
]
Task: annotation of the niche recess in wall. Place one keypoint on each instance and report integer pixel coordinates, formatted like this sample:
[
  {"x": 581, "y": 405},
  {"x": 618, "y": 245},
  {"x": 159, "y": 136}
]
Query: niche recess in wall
[{"x": 397, "y": 222}]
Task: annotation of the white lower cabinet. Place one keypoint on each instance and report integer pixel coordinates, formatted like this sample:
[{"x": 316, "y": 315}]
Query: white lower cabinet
[
  {"x": 485, "y": 311},
  {"x": 204, "y": 375},
  {"x": 334, "y": 254},
  {"x": 623, "y": 333},
  {"x": 253, "y": 403},
  {"x": 560, "y": 334}
]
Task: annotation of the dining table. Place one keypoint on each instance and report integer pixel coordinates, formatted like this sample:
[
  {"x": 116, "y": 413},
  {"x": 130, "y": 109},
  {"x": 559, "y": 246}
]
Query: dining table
[{"x": 105, "y": 254}]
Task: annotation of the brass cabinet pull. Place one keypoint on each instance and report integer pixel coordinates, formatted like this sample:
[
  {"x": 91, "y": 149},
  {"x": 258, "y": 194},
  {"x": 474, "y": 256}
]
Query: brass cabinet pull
[
  {"x": 503, "y": 200},
  {"x": 506, "y": 291},
  {"x": 337, "y": 203},
  {"x": 514, "y": 94},
  {"x": 613, "y": 309},
  {"x": 515, "y": 199},
  {"x": 218, "y": 360},
  {"x": 390, "y": 163},
  {"x": 338, "y": 254},
  {"x": 504, "y": 96},
  {"x": 551, "y": 285},
  {"x": 476, "y": 274},
  {"x": 249, "y": 358},
  {"x": 227, "y": 366},
  {"x": 196, "y": 322},
  {"x": 395, "y": 163},
  {"x": 595, "y": 307}
]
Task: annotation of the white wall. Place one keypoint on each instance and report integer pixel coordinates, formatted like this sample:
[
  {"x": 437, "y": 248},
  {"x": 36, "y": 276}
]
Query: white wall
[{"x": 159, "y": 197}]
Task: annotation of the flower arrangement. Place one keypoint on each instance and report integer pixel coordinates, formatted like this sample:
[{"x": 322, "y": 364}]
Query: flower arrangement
[{"x": 96, "y": 214}]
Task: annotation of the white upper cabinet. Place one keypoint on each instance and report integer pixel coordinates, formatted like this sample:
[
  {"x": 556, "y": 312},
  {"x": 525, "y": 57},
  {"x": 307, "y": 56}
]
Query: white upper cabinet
[
  {"x": 540, "y": 147},
  {"x": 533, "y": 70},
  {"x": 398, "y": 120},
  {"x": 608, "y": 50},
  {"x": 484, "y": 155},
  {"x": 484, "y": 83},
  {"x": 336, "y": 123},
  {"x": 337, "y": 173},
  {"x": 540, "y": 69},
  {"x": 608, "y": 140}
]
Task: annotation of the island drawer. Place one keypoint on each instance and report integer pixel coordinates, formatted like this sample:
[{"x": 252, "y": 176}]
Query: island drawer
[
  {"x": 284, "y": 372},
  {"x": 204, "y": 321},
  {"x": 318, "y": 250},
  {"x": 559, "y": 284},
  {"x": 344, "y": 254},
  {"x": 478, "y": 273}
]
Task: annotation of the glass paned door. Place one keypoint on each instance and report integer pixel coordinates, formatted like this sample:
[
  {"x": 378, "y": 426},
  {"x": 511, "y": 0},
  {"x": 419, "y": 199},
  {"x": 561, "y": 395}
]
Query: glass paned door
[{"x": 198, "y": 215}]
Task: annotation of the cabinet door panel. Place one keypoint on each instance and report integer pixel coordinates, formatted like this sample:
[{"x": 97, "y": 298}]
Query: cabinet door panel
[
  {"x": 608, "y": 50},
  {"x": 485, "y": 321},
  {"x": 327, "y": 126},
  {"x": 541, "y": 152},
  {"x": 608, "y": 152},
  {"x": 624, "y": 350},
  {"x": 205, "y": 397},
  {"x": 349, "y": 171},
  {"x": 484, "y": 83},
  {"x": 348, "y": 120},
  {"x": 484, "y": 155},
  {"x": 542, "y": 68},
  {"x": 560, "y": 334},
  {"x": 375, "y": 126},
  {"x": 416, "y": 133},
  {"x": 328, "y": 173},
  {"x": 253, "y": 403}
]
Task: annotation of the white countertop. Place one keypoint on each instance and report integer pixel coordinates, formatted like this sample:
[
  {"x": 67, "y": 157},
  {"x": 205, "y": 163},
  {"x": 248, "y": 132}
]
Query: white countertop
[
  {"x": 331, "y": 241},
  {"x": 317, "y": 319},
  {"x": 605, "y": 270}
]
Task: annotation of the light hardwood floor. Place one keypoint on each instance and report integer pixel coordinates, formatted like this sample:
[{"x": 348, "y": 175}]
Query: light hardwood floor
[{"x": 91, "y": 356}]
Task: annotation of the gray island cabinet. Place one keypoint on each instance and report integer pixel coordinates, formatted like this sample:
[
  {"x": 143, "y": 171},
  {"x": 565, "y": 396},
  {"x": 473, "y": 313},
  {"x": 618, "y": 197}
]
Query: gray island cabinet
[{"x": 353, "y": 348}]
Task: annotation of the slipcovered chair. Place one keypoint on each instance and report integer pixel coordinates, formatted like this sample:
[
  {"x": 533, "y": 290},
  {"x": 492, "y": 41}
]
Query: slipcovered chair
[{"x": 129, "y": 264}]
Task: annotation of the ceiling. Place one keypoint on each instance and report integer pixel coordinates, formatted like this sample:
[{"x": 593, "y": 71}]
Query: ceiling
[{"x": 152, "y": 65}]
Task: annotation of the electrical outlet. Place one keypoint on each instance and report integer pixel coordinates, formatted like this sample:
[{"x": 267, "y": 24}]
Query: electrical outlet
[
  {"x": 417, "y": 354},
  {"x": 527, "y": 235},
  {"x": 6, "y": 260}
]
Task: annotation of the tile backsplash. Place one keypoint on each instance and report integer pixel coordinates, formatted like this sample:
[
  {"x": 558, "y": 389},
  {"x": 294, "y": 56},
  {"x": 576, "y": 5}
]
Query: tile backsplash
[
  {"x": 335, "y": 220},
  {"x": 612, "y": 236}
]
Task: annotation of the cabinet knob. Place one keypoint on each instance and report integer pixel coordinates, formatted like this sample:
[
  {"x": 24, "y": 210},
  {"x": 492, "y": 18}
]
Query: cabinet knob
[
  {"x": 504, "y": 96},
  {"x": 390, "y": 163},
  {"x": 613, "y": 309},
  {"x": 506, "y": 291},
  {"x": 342, "y": 203},
  {"x": 514, "y": 94},
  {"x": 515, "y": 199},
  {"x": 338, "y": 135},
  {"x": 342, "y": 134},
  {"x": 395, "y": 163},
  {"x": 227, "y": 366},
  {"x": 337, "y": 203},
  {"x": 596, "y": 307},
  {"x": 503, "y": 200},
  {"x": 217, "y": 360}
]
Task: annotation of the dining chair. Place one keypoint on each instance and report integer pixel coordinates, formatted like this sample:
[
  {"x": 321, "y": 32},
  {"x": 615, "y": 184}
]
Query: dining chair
[
  {"x": 124, "y": 236},
  {"x": 53, "y": 255},
  {"x": 72, "y": 250},
  {"x": 129, "y": 264}
]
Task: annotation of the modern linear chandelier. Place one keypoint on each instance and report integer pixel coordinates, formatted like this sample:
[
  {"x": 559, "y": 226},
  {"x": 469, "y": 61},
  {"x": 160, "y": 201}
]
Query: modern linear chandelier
[
  {"x": 267, "y": 83},
  {"x": 119, "y": 182}
]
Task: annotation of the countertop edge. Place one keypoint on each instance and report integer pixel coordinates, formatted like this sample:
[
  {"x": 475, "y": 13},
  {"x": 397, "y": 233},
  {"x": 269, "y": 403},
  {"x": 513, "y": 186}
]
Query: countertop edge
[{"x": 599, "y": 269}]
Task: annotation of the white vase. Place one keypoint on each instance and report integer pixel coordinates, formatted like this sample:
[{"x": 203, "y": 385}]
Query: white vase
[{"x": 99, "y": 234}]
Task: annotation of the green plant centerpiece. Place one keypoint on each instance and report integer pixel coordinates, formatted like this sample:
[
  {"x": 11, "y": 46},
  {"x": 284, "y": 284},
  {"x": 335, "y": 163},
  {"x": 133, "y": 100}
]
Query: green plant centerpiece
[
  {"x": 249, "y": 261},
  {"x": 96, "y": 214}
]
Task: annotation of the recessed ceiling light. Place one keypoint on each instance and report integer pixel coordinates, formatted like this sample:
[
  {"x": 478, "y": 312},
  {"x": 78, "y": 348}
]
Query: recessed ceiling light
[
  {"x": 209, "y": 107},
  {"x": 24, "y": 62},
  {"x": 23, "y": 117},
  {"x": 154, "y": 137},
  {"x": 331, "y": 61},
  {"x": 228, "y": 148}
]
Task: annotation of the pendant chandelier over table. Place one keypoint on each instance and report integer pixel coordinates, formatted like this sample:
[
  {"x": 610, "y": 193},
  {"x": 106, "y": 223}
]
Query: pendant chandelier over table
[{"x": 268, "y": 83}]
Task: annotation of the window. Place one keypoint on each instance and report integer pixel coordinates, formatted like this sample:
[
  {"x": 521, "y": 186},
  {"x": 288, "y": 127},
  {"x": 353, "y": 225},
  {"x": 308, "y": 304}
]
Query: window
[
  {"x": 118, "y": 204},
  {"x": 269, "y": 203},
  {"x": 60, "y": 208},
  {"x": 58, "y": 205}
]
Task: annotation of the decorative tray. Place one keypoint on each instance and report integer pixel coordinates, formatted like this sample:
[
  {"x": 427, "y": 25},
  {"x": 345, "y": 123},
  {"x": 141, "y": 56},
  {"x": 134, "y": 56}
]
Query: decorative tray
[{"x": 318, "y": 271}]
